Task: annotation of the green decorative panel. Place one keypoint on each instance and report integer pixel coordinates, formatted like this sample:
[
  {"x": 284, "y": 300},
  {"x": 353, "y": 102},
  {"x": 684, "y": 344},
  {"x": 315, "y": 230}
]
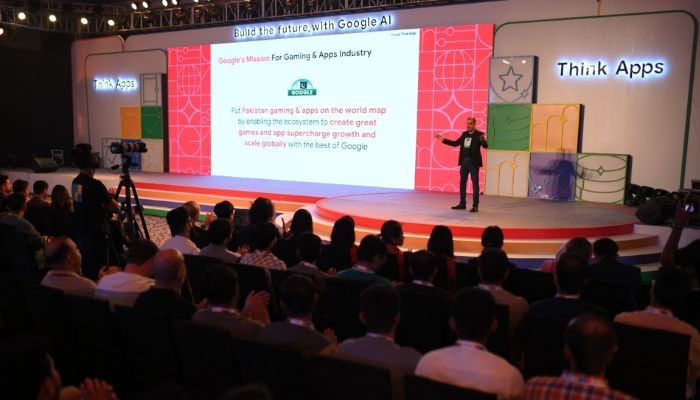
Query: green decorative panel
[
  {"x": 601, "y": 177},
  {"x": 152, "y": 122},
  {"x": 509, "y": 126}
]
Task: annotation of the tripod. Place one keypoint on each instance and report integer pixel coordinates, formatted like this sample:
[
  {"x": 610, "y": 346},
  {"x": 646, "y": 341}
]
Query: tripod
[{"x": 133, "y": 230}]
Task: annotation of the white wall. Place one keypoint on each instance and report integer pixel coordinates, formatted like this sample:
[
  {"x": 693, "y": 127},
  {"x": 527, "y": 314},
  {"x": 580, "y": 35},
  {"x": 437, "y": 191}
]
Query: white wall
[{"x": 498, "y": 12}]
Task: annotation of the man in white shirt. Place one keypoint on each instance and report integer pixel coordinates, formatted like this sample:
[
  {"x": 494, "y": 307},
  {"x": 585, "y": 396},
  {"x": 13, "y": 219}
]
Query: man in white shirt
[
  {"x": 468, "y": 364},
  {"x": 180, "y": 225},
  {"x": 122, "y": 288},
  {"x": 65, "y": 260}
]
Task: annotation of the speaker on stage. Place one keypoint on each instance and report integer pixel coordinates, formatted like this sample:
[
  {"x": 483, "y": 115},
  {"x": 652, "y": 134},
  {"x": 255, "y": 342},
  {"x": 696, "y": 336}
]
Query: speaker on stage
[{"x": 44, "y": 164}]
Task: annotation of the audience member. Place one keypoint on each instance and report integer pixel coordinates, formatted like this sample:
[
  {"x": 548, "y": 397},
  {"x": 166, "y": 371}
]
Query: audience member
[
  {"x": 38, "y": 208},
  {"x": 468, "y": 364},
  {"x": 370, "y": 256},
  {"x": 221, "y": 289},
  {"x": 392, "y": 234},
  {"x": 219, "y": 232},
  {"x": 27, "y": 371},
  {"x": 64, "y": 259},
  {"x": 491, "y": 238},
  {"x": 264, "y": 235},
  {"x": 308, "y": 249},
  {"x": 123, "y": 287},
  {"x": 61, "y": 216},
  {"x": 668, "y": 291},
  {"x": 5, "y": 190},
  {"x": 164, "y": 297},
  {"x": 261, "y": 210},
  {"x": 180, "y": 225},
  {"x": 224, "y": 210},
  {"x": 687, "y": 257},
  {"x": 14, "y": 219},
  {"x": 608, "y": 268},
  {"x": 441, "y": 243},
  {"x": 590, "y": 345},
  {"x": 423, "y": 270},
  {"x": 286, "y": 248},
  {"x": 493, "y": 270},
  {"x": 20, "y": 186},
  {"x": 379, "y": 311},
  {"x": 298, "y": 299},
  {"x": 570, "y": 276},
  {"x": 578, "y": 247},
  {"x": 198, "y": 235},
  {"x": 341, "y": 252}
]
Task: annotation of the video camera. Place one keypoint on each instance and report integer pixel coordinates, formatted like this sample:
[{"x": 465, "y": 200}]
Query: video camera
[
  {"x": 121, "y": 148},
  {"x": 690, "y": 200}
]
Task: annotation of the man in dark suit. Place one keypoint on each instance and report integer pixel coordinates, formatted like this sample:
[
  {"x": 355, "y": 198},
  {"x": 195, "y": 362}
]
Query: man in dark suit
[
  {"x": 609, "y": 268},
  {"x": 470, "y": 143}
]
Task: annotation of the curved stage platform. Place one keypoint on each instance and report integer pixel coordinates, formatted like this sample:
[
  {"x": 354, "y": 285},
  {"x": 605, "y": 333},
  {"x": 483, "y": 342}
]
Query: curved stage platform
[{"x": 534, "y": 229}]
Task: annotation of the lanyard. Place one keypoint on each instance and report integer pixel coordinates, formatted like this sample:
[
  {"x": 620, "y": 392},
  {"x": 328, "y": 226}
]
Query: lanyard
[
  {"x": 471, "y": 345},
  {"x": 301, "y": 322},
  {"x": 584, "y": 379}
]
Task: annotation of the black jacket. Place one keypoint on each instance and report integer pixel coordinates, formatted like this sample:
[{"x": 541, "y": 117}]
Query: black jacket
[{"x": 474, "y": 151}]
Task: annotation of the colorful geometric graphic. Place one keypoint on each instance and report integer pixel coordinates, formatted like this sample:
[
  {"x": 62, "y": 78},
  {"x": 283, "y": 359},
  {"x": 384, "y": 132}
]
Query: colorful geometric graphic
[
  {"x": 552, "y": 176},
  {"x": 152, "y": 122},
  {"x": 152, "y": 160},
  {"x": 512, "y": 79},
  {"x": 509, "y": 126},
  {"x": 601, "y": 177},
  {"x": 555, "y": 127},
  {"x": 452, "y": 85},
  {"x": 130, "y": 122},
  {"x": 507, "y": 173}
]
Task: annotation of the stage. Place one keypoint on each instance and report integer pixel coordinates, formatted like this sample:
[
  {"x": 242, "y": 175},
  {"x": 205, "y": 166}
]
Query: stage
[{"x": 534, "y": 229}]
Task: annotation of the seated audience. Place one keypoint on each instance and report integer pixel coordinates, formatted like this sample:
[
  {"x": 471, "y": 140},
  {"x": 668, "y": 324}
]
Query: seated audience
[
  {"x": 608, "y": 268},
  {"x": 493, "y": 270},
  {"x": 219, "y": 232},
  {"x": 423, "y": 269},
  {"x": 224, "y": 210},
  {"x": 379, "y": 311},
  {"x": 298, "y": 299},
  {"x": 286, "y": 248},
  {"x": 14, "y": 219},
  {"x": 164, "y": 297},
  {"x": 61, "y": 216},
  {"x": 264, "y": 236},
  {"x": 468, "y": 363},
  {"x": 571, "y": 273},
  {"x": 5, "y": 190},
  {"x": 198, "y": 234},
  {"x": 221, "y": 289},
  {"x": 20, "y": 186},
  {"x": 27, "y": 372},
  {"x": 590, "y": 345},
  {"x": 669, "y": 289},
  {"x": 180, "y": 225},
  {"x": 308, "y": 249},
  {"x": 392, "y": 234},
  {"x": 370, "y": 256},
  {"x": 65, "y": 262},
  {"x": 441, "y": 243},
  {"x": 578, "y": 247},
  {"x": 123, "y": 287},
  {"x": 38, "y": 207},
  {"x": 341, "y": 252},
  {"x": 261, "y": 210},
  {"x": 491, "y": 238}
]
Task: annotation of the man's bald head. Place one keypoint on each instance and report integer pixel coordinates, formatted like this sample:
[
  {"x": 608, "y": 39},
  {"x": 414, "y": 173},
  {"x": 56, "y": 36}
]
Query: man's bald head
[
  {"x": 62, "y": 254},
  {"x": 169, "y": 267}
]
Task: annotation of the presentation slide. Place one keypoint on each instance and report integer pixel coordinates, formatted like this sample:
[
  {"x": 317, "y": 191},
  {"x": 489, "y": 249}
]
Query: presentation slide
[
  {"x": 357, "y": 108},
  {"x": 317, "y": 109}
]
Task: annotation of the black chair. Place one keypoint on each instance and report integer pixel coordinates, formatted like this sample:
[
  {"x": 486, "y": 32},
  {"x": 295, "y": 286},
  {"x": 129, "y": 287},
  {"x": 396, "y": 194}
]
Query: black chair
[
  {"x": 100, "y": 351},
  {"x": 208, "y": 359},
  {"x": 333, "y": 256},
  {"x": 530, "y": 284},
  {"x": 16, "y": 317},
  {"x": 18, "y": 256},
  {"x": 251, "y": 278},
  {"x": 650, "y": 363},
  {"x": 282, "y": 370},
  {"x": 390, "y": 268},
  {"x": 418, "y": 388},
  {"x": 333, "y": 378},
  {"x": 543, "y": 343},
  {"x": 612, "y": 296},
  {"x": 467, "y": 275},
  {"x": 149, "y": 349},
  {"x": 424, "y": 323},
  {"x": 339, "y": 308},
  {"x": 196, "y": 267},
  {"x": 499, "y": 341}
]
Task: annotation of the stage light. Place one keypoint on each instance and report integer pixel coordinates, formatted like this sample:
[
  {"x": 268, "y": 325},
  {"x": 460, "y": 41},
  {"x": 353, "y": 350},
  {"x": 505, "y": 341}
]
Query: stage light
[
  {"x": 52, "y": 18},
  {"x": 110, "y": 22},
  {"x": 196, "y": 1},
  {"x": 83, "y": 20},
  {"x": 22, "y": 16},
  {"x": 134, "y": 6},
  {"x": 144, "y": 4},
  {"x": 164, "y": 2},
  {"x": 2, "y": 30},
  {"x": 173, "y": 2}
]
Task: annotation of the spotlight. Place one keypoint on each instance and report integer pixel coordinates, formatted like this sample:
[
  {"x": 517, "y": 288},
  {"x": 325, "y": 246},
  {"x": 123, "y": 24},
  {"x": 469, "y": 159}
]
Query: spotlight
[
  {"x": 22, "y": 16},
  {"x": 164, "y": 2},
  {"x": 173, "y": 2},
  {"x": 134, "y": 6},
  {"x": 83, "y": 20},
  {"x": 110, "y": 22},
  {"x": 196, "y": 1},
  {"x": 52, "y": 18},
  {"x": 144, "y": 4},
  {"x": 2, "y": 30}
]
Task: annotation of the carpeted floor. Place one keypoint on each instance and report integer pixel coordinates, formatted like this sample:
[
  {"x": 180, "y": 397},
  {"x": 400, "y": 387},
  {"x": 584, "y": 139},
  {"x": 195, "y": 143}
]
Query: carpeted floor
[{"x": 157, "y": 229}]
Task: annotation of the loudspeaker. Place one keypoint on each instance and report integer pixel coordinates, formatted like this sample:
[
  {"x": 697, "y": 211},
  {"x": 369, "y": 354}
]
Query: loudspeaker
[{"x": 44, "y": 164}]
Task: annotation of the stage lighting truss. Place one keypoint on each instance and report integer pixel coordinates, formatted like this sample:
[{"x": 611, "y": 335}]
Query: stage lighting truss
[{"x": 183, "y": 14}]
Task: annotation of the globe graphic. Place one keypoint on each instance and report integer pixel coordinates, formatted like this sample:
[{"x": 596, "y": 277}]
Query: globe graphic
[
  {"x": 454, "y": 70},
  {"x": 190, "y": 80}
]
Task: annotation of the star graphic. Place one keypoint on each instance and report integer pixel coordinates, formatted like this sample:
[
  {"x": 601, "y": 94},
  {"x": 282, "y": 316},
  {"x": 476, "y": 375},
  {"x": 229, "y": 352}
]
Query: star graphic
[{"x": 510, "y": 79}]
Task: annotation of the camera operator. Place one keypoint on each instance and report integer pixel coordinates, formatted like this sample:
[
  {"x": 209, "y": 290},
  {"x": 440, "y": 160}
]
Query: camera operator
[
  {"x": 687, "y": 257},
  {"x": 93, "y": 206}
]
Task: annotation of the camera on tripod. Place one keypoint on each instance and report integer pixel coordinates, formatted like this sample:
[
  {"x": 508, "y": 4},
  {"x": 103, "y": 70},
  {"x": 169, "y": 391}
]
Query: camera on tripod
[
  {"x": 121, "y": 148},
  {"x": 690, "y": 200}
]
